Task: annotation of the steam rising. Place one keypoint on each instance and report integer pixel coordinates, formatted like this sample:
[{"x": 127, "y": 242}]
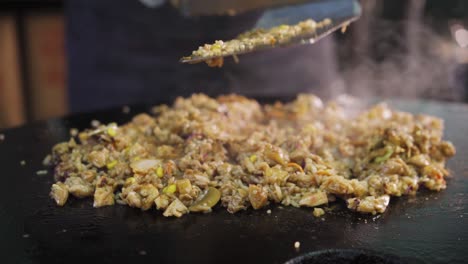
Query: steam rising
[{"x": 421, "y": 65}]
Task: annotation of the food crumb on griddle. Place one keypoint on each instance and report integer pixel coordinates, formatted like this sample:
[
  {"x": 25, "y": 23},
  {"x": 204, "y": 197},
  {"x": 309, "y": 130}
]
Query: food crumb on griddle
[
  {"x": 268, "y": 211},
  {"x": 318, "y": 212},
  {"x": 74, "y": 132},
  {"x": 25, "y": 235},
  {"x": 126, "y": 109},
  {"x": 142, "y": 252},
  {"x": 41, "y": 172},
  {"x": 297, "y": 245},
  {"x": 23, "y": 163},
  {"x": 2, "y": 137},
  {"x": 47, "y": 160},
  {"x": 95, "y": 123}
]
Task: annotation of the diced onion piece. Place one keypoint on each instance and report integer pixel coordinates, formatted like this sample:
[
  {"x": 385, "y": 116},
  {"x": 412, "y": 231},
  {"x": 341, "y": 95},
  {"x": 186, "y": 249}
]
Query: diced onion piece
[
  {"x": 314, "y": 199},
  {"x": 59, "y": 193},
  {"x": 385, "y": 157},
  {"x": 170, "y": 189},
  {"x": 160, "y": 172},
  {"x": 210, "y": 199},
  {"x": 253, "y": 158},
  {"x": 176, "y": 208},
  {"x": 257, "y": 196},
  {"x": 144, "y": 165},
  {"x": 111, "y": 164}
]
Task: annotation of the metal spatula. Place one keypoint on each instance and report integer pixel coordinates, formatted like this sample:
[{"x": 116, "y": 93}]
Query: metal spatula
[{"x": 340, "y": 13}]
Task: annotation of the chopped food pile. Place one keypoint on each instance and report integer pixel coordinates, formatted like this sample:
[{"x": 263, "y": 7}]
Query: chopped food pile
[
  {"x": 240, "y": 154},
  {"x": 253, "y": 39}
]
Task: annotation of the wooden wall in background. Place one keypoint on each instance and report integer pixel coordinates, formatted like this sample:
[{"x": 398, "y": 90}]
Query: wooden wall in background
[
  {"x": 45, "y": 62},
  {"x": 12, "y": 112},
  {"x": 32, "y": 66}
]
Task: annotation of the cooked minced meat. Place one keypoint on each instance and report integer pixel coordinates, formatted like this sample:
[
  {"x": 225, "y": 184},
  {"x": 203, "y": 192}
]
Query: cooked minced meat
[
  {"x": 236, "y": 152},
  {"x": 257, "y": 38}
]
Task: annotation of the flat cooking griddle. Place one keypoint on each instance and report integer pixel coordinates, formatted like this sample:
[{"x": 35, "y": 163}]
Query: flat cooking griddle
[{"x": 429, "y": 228}]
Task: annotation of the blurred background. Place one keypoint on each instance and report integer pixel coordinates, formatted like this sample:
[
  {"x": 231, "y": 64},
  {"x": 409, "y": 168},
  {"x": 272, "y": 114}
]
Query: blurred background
[{"x": 65, "y": 56}]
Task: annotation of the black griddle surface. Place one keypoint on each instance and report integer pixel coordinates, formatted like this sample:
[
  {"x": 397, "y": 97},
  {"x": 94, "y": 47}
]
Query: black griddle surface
[{"x": 429, "y": 228}]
